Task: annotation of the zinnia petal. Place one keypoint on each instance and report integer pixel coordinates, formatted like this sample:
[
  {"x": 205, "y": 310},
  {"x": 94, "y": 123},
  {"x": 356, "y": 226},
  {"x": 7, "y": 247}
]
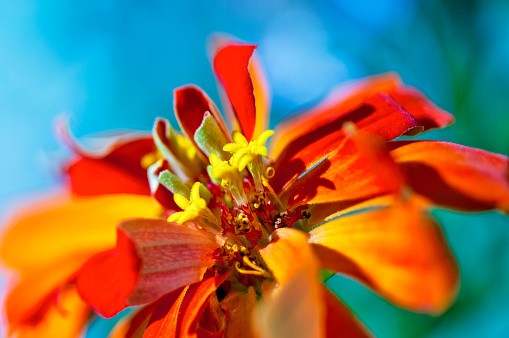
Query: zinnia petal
[
  {"x": 378, "y": 115},
  {"x": 455, "y": 176},
  {"x": 292, "y": 262},
  {"x": 176, "y": 313},
  {"x": 191, "y": 103},
  {"x": 65, "y": 319},
  {"x": 152, "y": 257},
  {"x": 340, "y": 321},
  {"x": 118, "y": 170},
  {"x": 262, "y": 96},
  {"x": 231, "y": 64},
  {"x": 47, "y": 231},
  {"x": 353, "y": 94},
  {"x": 28, "y": 303},
  {"x": 360, "y": 168},
  {"x": 398, "y": 251},
  {"x": 240, "y": 308}
]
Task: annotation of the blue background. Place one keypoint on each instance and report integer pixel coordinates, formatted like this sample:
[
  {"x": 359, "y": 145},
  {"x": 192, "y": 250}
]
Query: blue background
[{"x": 114, "y": 64}]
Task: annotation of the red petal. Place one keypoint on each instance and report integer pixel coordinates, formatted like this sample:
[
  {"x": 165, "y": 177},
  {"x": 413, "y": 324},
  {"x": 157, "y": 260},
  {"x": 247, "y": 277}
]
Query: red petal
[
  {"x": 353, "y": 94},
  {"x": 152, "y": 258},
  {"x": 379, "y": 115},
  {"x": 191, "y": 103},
  {"x": 177, "y": 313},
  {"x": 117, "y": 171},
  {"x": 164, "y": 320},
  {"x": 360, "y": 168},
  {"x": 90, "y": 177},
  {"x": 455, "y": 176},
  {"x": 398, "y": 251},
  {"x": 425, "y": 112},
  {"x": 231, "y": 66},
  {"x": 108, "y": 278},
  {"x": 339, "y": 320}
]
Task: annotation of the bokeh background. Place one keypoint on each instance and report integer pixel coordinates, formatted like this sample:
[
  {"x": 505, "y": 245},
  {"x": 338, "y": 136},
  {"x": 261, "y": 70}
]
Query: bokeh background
[{"x": 113, "y": 65}]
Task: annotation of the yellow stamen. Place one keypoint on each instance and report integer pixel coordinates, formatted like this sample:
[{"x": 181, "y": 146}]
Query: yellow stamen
[
  {"x": 257, "y": 271},
  {"x": 272, "y": 192},
  {"x": 230, "y": 178},
  {"x": 249, "y": 154},
  {"x": 195, "y": 210}
]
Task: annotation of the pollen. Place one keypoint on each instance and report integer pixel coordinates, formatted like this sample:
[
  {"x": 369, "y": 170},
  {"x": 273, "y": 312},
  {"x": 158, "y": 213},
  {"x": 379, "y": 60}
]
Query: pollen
[
  {"x": 230, "y": 178},
  {"x": 195, "y": 211},
  {"x": 249, "y": 154}
]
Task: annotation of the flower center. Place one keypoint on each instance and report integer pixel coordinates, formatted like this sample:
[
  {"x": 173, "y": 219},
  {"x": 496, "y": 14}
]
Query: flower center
[{"x": 243, "y": 209}]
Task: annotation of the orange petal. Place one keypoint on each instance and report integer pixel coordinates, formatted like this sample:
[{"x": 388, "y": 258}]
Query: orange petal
[
  {"x": 59, "y": 227},
  {"x": 378, "y": 115},
  {"x": 398, "y": 251},
  {"x": 353, "y": 94},
  {"x": 29, "y": 301},
  {"x": 231, "y": 65},
  {"x": 176, "y": 314},
  {"x": 261, "y": 94},
  {"x": 294, "y": 266},
  {"x": 152, "y": 257},
  {"x": 455, "y": 176},
  {"x": 287, "y": 254},
  {"x": 348, "y": 175},
  {"x": 340, "y": 321},
  {"x": 67, "y": 319},
  {"x": 240, "y": 307}
]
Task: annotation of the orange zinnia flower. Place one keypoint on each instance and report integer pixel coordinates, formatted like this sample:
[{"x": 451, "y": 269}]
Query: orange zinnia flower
[{"x": 239, "y": 230}]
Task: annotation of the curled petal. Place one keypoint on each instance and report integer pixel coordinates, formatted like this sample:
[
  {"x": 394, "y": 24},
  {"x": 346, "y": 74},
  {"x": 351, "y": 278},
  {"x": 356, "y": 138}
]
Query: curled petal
[
  {"x": 231, "y": 64},
  {"x": 292, "y": 262},
  {"x": 455, "y": 176},
  {"x": 176, "y": 314},
  {"x": 378, "y": 114},
  {"x": 191, "y": 104},
  {"x": 119, "y": 170},
  {"x": 353, "y": 94},
  {"x": 398, "y": 251},
  {"x": 152, "y": 258},
  {"x": 360, "y": 168}
]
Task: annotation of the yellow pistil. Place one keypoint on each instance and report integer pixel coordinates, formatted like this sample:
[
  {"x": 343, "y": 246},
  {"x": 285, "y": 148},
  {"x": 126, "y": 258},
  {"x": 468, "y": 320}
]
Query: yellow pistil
[
  {"x": 257, "y": 271},
  {"x": 230, "y": 178},
  {"x": 249, "y": 154},
  {"x": 195, "y": 211}
]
